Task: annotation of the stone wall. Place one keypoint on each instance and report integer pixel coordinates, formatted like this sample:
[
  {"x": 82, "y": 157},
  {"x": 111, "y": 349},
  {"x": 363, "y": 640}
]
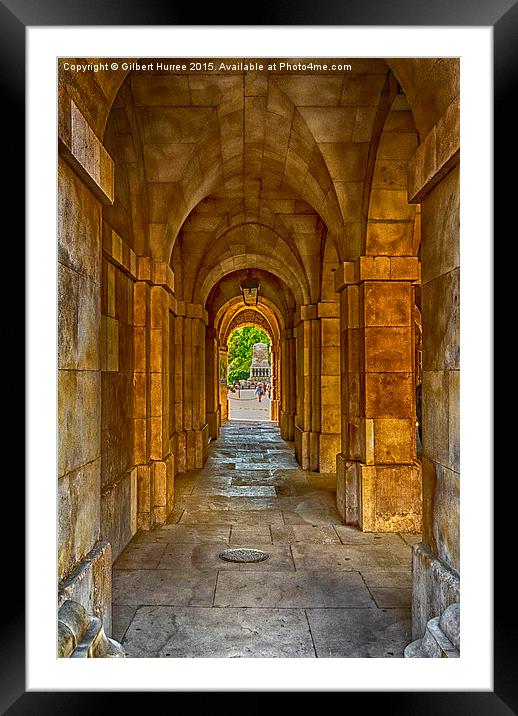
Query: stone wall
[
  {"x": 84, "y": 561},
  {"x": 434, "y": 180}
]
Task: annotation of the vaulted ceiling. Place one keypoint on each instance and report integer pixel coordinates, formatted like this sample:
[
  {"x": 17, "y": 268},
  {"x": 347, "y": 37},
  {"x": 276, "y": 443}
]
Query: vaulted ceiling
[{"x": 223, "y": 172}]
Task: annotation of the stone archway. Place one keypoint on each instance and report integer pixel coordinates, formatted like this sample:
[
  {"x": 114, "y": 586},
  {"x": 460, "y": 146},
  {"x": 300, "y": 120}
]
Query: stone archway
[
  {"x": 248, "y": 317},
  {"x": 160, "y": 209}
]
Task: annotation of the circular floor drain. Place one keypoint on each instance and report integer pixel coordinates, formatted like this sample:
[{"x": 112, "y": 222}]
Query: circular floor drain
[{"x": 244, "y": 554}]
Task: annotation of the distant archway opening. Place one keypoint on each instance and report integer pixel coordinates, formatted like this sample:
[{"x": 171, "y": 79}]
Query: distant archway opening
[{"x": 249, "y": 368}]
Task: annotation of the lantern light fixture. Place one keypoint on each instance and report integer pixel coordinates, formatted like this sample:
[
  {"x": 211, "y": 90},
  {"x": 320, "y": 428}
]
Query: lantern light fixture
[{"x": 250, "y": 290}]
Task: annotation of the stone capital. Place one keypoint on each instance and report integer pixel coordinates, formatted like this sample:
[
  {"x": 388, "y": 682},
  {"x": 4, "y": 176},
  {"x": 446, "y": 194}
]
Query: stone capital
[
  {"x": 192, "y": 310},
  {"x": 345, "y": 275},
  {"x": 329, "y": 309},
  {"x": 118, "y": 251},
  {"x": 309, "y": 312},
  {"x": 377, "y": 268}
]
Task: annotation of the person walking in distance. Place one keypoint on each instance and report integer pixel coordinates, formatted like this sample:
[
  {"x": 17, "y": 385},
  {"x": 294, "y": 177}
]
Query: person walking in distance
[{"x": 259, "y": 391}]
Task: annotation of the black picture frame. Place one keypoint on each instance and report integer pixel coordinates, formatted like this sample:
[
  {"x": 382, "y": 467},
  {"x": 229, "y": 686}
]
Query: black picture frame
[{"x": 15, "y": 17}]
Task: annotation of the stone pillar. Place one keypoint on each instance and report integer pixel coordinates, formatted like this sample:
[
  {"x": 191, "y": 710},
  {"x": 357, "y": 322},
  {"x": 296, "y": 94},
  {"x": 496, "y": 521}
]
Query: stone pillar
[
  {"x": 199, "y": 419},
  {"x": 330, "y": 408},
  {"x": 160, "y": 452},
  {"x": 274, "y": 387},
  {"x": 153, "y": 449},
  {"x": 178, "y": 421},
  {"x": 288, "y": 385},
  {"x": 307, "y": 421},
  {"x": 141, "y": 400},
  {"x": 222, "y": 383},
  {"x": 195, "y": 424},
  {"x": 188, "y": 380},
  {"x": 212, "y": 382},
  {"x": 379, "y": 481},
  {"x": 347, "y": 461},
  {"x": 434, "y": 181}
]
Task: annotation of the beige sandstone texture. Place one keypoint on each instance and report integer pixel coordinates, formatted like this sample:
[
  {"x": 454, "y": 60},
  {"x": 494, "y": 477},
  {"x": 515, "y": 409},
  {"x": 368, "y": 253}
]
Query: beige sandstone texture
[{"x": 339, "y": 192}]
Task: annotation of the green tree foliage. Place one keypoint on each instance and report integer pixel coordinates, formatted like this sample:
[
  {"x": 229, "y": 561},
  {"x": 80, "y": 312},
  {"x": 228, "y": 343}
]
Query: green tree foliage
[{"x": 240, "y": 347}]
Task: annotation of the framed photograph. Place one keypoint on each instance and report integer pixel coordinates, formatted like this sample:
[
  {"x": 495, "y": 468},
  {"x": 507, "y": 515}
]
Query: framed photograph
[{"x": 323, "y": 152}]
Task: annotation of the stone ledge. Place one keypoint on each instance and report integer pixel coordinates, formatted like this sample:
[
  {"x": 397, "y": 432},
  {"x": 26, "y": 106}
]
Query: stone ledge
[
  {"x": 438, "y": 153},
  {"x": 81, "y": 148}
]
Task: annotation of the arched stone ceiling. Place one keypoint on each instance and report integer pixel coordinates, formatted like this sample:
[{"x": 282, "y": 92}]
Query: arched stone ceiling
[
  {"x": 429, "y": 83},
  {"x": 291, "y": 154},
  {"x": 256, "y": 137},
  {"x": 245, "y": 261},
  {"x": 289, "y": 250},
  {"x": 273, "y": 291},
  {"x": 276, "y": 301}
]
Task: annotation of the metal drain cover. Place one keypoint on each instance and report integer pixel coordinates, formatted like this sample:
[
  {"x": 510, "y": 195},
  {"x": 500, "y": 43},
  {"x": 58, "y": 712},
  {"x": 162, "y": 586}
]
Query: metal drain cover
[{"x": 244, "y": 554}]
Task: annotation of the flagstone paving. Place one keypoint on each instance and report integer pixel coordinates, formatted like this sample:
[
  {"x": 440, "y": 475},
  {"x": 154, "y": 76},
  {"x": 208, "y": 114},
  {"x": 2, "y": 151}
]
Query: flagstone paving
[{"x": 326, "y": 590}]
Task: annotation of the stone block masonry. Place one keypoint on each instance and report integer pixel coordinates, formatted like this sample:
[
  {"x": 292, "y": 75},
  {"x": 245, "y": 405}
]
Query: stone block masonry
[{"x": 339, "y": 191}]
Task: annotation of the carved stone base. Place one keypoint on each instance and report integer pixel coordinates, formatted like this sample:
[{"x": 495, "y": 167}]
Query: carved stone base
[
  {"x": 287, "y": 425},
  {"x": 81, "y": 636},
  {"x": 379, "y": 498},
  {"x": 434, "y": 587},
  {"x": 90, "y": 584},
  {"x": 441, "y": 639}
]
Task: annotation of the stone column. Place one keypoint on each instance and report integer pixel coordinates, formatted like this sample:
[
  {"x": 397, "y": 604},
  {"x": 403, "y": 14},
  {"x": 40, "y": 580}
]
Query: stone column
[
  {"x": 274, "y": 377},
  {"x": 288, "y": 385},
  {"x": 199, "y": 418},
  {"x": 153, "y": 449},
  {"x": 160, "y": 449},
  {"x": 307, "y": 421},
  {"x": 141, "y": 400},
  {"x": 212, "y": 382},
  {"x": 178, "y": 420},
  {"x": 330, "y": 408},
  {"x": 192, "y": 439},
  {"x": 379, "y": 478},
  {"x": 347, "y": 461},
  {"x": 188, "y": 381},
  {"x": 222, "y": 387}
]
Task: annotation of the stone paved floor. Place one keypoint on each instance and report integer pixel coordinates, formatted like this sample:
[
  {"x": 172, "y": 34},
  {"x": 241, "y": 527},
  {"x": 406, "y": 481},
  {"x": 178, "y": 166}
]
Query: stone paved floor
[
  {"x": 327, "y": 590},
  {"x": 244, "y": 405}
]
